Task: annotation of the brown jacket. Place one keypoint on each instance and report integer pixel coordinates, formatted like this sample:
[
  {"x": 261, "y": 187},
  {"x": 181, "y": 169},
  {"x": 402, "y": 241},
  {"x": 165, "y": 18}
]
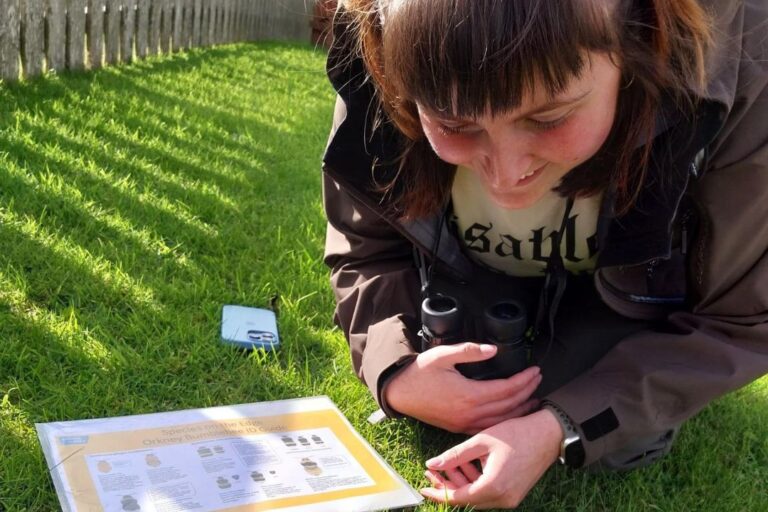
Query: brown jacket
[{"x": 693, "y": 252}]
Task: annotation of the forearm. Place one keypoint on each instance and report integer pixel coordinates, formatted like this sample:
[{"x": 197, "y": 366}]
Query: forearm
[
  {"x": 653, "y": 381},
  {"x": 376, "y": 286}
]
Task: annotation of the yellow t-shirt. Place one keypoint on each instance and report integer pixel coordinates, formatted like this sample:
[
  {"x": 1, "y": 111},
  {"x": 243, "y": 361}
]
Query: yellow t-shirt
[{"x": 518, "y": 242}]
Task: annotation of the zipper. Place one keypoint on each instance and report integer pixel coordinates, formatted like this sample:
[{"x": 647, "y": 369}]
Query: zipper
[
  {"x": 638, "y": 299},
  {"x": 650, "y": 269},
  {"x": 697, "y": 254}
]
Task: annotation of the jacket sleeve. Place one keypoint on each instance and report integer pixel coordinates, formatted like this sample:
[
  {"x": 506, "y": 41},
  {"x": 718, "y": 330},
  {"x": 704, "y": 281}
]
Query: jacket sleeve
[
  {"x": 653, "y": 381},
  {"x": 375, "y": 282}
]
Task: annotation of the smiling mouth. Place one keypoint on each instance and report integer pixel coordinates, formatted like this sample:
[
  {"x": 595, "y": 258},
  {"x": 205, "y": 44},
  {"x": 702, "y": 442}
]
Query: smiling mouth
[{"x": 527, "y": 178}]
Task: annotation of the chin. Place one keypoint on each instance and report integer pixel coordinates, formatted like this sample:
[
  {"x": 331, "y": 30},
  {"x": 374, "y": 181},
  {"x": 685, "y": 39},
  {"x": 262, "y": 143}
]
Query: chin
[{"x": 515, "y": 201}]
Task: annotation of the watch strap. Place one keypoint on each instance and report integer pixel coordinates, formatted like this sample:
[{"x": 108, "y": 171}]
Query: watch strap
[{"x": 571, "y": 448}]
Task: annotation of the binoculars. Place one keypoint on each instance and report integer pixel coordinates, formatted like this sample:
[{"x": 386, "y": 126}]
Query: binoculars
[{"x": 502, "y": 324}]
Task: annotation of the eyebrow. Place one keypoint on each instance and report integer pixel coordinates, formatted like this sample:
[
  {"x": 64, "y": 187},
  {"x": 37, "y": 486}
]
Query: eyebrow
[{"x": 552, "y": 105}]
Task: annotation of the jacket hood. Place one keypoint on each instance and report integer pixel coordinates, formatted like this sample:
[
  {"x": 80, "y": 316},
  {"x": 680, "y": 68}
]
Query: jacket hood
[{"x": 731, "y": 28}]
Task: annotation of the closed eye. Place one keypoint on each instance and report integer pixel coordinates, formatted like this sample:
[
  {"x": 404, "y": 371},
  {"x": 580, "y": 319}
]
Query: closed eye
[
  {"x": 544, "y": 125},
  {"x": 451, "y": 130}
]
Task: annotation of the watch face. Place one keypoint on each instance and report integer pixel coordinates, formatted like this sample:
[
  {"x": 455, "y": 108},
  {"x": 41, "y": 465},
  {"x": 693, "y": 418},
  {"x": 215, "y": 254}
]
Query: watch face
[{"x": 573, "y": 452}]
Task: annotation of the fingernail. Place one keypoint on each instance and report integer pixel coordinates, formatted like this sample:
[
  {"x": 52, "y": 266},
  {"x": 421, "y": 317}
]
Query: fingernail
[
  {"x": 487, "y": 349},
  {"x": 437, "y": 461}
]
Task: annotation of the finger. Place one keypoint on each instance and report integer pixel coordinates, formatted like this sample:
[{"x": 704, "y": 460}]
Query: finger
[
  {"x": 440, "y": 495},
  {"x": 502, "y": 388},
  {"x": 509, "y": 403},
  {"x": 470, "y": 471},
  {"x": 475, "y": 494},
  {"x": 437, "y": 480},
  {"x": 526, "y": 407},
  {"x": 489, "y": 421},
  {"x": 471, "y": 449},
  {"x": 450, "y": 355},
  {"x": 481, "y": 492},
  {"x": 455, "y": 476},
  {"x": 450, "y": 496}
]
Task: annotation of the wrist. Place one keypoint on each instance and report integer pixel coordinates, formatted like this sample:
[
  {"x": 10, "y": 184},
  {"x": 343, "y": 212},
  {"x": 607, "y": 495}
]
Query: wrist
[
  {"x": 551, "y": 432},
  {"x": 571, "y": 447},
  {"x": 390, "y": 395}
]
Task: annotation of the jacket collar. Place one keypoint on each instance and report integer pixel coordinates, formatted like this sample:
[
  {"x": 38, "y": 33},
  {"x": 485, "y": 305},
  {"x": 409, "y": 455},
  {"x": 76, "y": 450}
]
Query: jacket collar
[{"x": 646, "y": 231}]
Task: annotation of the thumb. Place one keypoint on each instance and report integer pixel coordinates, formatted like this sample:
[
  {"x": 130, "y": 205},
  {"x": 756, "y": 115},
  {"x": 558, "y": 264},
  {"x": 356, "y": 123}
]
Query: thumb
[
  {"x": 449, "y": 355},
  {"x": 471, "y": 449}
]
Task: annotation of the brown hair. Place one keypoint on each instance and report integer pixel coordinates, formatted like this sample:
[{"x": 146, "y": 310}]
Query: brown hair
[{"x": 458, "y": 55}]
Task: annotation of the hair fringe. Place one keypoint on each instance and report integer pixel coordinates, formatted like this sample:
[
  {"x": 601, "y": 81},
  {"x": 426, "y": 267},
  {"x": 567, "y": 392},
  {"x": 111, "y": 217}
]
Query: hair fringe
[{"x": 663, "y": 47}]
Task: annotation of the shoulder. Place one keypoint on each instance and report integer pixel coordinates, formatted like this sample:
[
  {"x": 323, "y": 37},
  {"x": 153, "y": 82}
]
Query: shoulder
[{"x": 738, "y": 77}]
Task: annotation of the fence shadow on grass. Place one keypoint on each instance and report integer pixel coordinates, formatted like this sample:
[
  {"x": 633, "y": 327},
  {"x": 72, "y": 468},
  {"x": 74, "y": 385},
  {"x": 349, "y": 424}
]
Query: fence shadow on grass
[{"x": 119, "y": 244}]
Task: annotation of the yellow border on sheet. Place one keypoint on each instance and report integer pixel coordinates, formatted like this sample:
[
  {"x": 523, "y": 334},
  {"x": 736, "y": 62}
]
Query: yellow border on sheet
[{"x": 86, "y": 497}]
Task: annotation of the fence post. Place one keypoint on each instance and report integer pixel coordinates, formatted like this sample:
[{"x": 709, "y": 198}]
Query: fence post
[
  {"x": 238, "y": 16},
  {"x": 252, "y": 7},
  {"x": 247, "y": 6},
  {"x": 142, "y": 28},
  {"x": 112, "y": 32},
  {"x": 211, "y": 22},
  {"x": 265, "y": 19},
  {"x": 261, "y": 18},
  {"x": 302, "y": 23},
  {"x": 221, "y": 26},
  {"x": 166, "y": 26},
  {"x": 197, "y": 20},
  {"x": 231, "y": 9},
  {"x": 229, "y": 6},
  {"x": 34, "y": 40},
  {"x": 178, "y": 24},
  {"x": 215, "y": 21},
  {"x": 10, "y": 39},
  {"x": 225, "y": 13},
  {"x": 57, "y": 41},
  {"x": 95, "y": 33},
  {"x": 155, "y": 18},
  {"x": 128, "y": 30},
  {"x": 76, "y": 35},
  {"x": 188, "y": 22},
  {"x": 205, "y": 22}
]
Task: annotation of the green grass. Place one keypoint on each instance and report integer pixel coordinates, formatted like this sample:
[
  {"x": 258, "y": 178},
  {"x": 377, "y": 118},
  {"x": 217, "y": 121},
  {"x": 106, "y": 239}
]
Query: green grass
[{"x": 136, "y": 201}]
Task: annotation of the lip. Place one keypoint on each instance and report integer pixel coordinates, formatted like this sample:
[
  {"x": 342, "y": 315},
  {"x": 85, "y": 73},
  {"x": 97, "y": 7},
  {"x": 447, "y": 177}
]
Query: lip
[
  {"x": 524, "y": 182},
  {"x": 518, "y": 185}
]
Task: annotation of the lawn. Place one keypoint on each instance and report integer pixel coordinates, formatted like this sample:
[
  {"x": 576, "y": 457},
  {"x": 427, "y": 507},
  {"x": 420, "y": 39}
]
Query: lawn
[{"x": 136, "y": 201}]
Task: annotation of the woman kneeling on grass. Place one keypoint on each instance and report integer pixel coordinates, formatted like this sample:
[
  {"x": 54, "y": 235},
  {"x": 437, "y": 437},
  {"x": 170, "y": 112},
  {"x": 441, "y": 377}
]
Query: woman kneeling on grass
[{"x": 603, "y": 165}]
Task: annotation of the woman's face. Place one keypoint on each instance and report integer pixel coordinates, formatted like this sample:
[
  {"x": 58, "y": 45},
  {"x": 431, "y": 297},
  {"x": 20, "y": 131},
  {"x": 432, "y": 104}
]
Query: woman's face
[{"x": 523, "y": 154}]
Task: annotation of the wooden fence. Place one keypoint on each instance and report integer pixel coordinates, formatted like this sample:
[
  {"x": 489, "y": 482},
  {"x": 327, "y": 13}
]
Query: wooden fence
[{"x": 40, "y": 35}]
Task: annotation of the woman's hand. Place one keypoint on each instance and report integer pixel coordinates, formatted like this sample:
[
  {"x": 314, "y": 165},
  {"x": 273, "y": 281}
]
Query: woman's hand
[
  {"x": 514, "y": 455},
  {"x": 431, "y": 390}
]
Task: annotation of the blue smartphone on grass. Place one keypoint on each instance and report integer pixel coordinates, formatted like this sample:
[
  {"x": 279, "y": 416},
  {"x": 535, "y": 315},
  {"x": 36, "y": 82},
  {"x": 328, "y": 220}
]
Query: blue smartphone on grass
[{"x": 249, "y": 328}]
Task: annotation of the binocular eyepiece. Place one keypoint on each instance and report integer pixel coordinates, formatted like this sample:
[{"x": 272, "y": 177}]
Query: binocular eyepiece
[{"x": 502, "y": 324}]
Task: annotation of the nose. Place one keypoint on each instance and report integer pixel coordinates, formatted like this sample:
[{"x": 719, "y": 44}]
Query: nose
[{"x": 507, "y": 161}]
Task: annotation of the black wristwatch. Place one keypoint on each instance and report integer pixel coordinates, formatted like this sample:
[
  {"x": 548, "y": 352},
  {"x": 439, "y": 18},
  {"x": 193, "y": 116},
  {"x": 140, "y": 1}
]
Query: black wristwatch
[{"x": 571, "y": 449}]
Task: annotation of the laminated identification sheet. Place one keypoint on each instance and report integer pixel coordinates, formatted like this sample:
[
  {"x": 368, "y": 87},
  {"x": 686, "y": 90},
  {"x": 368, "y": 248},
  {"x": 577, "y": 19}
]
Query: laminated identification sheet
[{"x": 292, "y": 455}]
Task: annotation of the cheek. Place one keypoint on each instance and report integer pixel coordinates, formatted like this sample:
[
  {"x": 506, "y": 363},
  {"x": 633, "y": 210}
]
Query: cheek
[
  {"x": 454, "y": 149},
  {"x": 577, "y": 141}
]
